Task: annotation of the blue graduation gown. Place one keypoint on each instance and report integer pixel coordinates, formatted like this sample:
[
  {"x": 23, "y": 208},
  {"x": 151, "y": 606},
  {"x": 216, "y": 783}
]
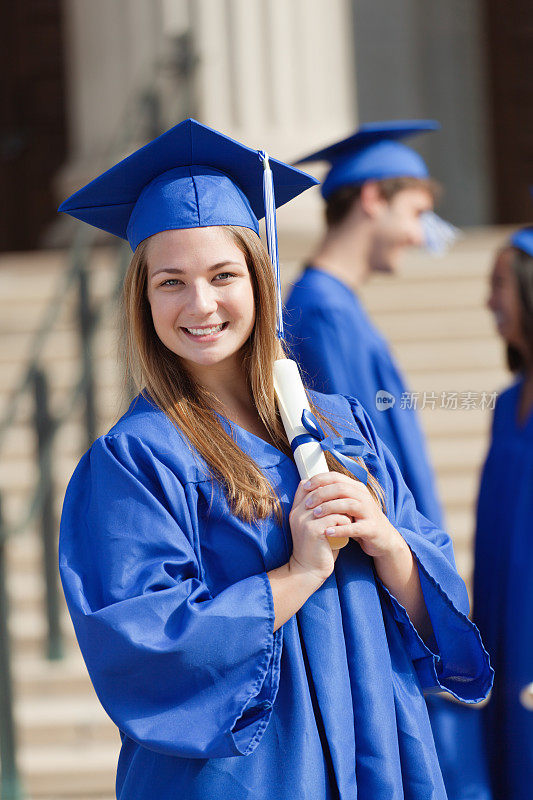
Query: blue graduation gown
[
  {"x": 461, "y": 748},
  {"x": 503, "y": 594},
  {"x": 340, "y": 350},
  {"x": 173, "y": 611}
]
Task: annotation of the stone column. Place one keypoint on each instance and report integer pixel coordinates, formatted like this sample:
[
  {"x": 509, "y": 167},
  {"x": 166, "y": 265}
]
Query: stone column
[
  {"x": 111, "y": 50},
  {"x": 277, "y": 74}
]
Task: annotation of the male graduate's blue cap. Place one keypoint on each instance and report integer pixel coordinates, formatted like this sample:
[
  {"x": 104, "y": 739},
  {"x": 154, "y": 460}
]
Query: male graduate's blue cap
[
  {"x": 373, "y": 153},
  {"x": 191, "y": 176}
]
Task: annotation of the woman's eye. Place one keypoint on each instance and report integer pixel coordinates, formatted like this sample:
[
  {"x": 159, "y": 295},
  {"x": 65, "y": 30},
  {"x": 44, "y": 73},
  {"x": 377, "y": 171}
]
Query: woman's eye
[
  {"x": 222, "y": 276},
  {"x": 171, "y": 282}
]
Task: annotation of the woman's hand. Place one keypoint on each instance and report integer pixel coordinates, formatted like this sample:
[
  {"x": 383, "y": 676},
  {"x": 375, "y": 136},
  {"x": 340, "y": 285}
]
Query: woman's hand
[
  {"x": 333, "y": 494},
  {"x": 311, "y": 551},
  {"x": 331, "y": 505}
]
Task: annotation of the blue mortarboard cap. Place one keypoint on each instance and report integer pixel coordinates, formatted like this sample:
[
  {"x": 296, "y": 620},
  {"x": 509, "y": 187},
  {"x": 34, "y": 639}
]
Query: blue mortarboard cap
[
  {"x": 523, "y": 240},
  {"x": 191, "y": 176},
  {"x": 373, "y": 153}
]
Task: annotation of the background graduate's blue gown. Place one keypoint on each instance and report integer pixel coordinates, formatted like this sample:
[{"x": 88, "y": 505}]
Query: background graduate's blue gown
[
  {"x": 503, "y": 594},
  {"x": 340, "y": 350},
  {"x": 174, "y": 615}
]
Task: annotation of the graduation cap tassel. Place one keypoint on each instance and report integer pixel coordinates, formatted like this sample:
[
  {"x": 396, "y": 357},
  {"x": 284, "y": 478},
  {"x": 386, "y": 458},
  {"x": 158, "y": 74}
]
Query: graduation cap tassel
[
  {"x": 439, "y": 235},
  {"x": 272, "y": 233}
]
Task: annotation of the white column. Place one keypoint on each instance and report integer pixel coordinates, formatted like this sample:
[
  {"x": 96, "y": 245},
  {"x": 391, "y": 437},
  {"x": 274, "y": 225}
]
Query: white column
[
  {"x": 110, "y": 51},
  {"x": 277, "y": 74},
  {"x": 276, "y": 70}
]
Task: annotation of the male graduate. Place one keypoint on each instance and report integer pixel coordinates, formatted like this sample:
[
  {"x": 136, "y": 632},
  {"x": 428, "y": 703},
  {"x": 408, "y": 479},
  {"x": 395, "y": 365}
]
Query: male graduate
[{"x": 379, "y": 198}]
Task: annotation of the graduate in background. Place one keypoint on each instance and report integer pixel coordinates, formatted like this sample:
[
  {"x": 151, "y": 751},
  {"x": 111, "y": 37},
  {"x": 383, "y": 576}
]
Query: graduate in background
[
  {"x": 241, "y": 657},
  {"x": 503, "y": 572},
  {"x": 379, "y": 198},
  {"x": 501, "y": 730}
]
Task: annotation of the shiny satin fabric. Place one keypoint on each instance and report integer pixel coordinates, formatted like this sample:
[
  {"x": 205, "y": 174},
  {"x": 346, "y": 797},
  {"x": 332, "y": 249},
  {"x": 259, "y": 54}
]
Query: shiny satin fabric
[
  {"x": 503, "y": 594},
  {"x": 461, "y": 747},
  {"x": 173, "y": 611}
]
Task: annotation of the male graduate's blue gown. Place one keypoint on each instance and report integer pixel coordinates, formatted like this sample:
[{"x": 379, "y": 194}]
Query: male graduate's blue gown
[
  {"x": 503, "y": 594},
  {"x": 340, "y": 350},
  {"x": 174, "y": 614}
]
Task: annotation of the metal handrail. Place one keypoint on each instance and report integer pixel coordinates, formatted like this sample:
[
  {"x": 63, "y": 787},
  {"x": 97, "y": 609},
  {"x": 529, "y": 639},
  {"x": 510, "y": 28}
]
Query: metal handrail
[
  {"x": 79, "y": 389},
  {"x": 41, "y": 501}
]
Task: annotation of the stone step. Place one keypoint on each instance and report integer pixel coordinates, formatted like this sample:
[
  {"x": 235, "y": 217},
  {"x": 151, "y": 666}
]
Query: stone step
[
  {"x": 65, "y": 372},
  {"x": 458, "y": 454},
  {"x": 28, "y": 632},
  {"x": 26, "y": 588},
  {"x": 19, "y": 444},
  {"x": 66, "y": 677},
  {"x": 448, "y": 355},
  {"x": 471, "y": 379},
  {"x": 56, "y": 720},
  {"x": 110, "y": 399},
  {"x": 62, "y": 772},
  {"x": 458, "y": 489},
  {"x": 447, "y": 324},
  {"x": 51, "y": 262},
  {"x": 61, "y": 345},
  {"x": 21, "y": 474},
  {"x": 455, "y": 424},
  {"x": 415, "y": 296},
  {"x": 19, "y": 287}
]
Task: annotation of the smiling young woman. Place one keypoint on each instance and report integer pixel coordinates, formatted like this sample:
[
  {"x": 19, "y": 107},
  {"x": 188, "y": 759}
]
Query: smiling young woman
[
  {"x": 240, "y": 656},
  {"x": 230, "y": 372}
]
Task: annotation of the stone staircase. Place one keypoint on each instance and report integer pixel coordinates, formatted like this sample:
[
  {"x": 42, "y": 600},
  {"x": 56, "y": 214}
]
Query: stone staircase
[
  {"x": 67, "y": 747},
  {"x": 434, "y": 316}
]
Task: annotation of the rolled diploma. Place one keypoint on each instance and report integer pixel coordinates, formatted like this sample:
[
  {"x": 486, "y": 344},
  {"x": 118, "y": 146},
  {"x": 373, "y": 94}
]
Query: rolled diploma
[{"x": 292, "y": 400}]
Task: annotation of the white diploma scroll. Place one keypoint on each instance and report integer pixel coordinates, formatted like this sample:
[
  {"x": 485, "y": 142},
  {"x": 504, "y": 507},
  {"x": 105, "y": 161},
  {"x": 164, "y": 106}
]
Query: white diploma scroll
[{"x": 292, "y": 400}]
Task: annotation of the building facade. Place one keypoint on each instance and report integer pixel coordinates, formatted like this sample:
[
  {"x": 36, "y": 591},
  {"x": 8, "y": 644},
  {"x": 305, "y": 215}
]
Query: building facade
[{"x": 284, "y": 75}]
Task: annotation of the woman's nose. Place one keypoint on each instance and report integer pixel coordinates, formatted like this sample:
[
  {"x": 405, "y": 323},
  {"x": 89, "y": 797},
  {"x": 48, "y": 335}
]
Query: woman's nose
[{"x": 202, "y": 299}]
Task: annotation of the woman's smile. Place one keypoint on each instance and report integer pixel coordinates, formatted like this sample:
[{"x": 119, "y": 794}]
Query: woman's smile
[{"x": 206, "y": 334}]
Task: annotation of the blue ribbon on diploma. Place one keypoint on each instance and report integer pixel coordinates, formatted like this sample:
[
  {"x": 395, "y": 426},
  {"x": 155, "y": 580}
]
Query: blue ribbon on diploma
[{"x": 340, "y": 448}]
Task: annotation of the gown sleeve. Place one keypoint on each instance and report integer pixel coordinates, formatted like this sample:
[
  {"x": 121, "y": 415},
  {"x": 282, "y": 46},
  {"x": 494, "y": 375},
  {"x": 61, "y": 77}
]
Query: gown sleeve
[
  {"x": 178, "y": 669},
  {"x": 455, "y": 659}
]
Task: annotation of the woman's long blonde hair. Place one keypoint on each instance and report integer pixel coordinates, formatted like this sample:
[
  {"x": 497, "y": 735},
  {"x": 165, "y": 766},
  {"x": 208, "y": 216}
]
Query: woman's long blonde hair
[{"x": 162, "y": 376}]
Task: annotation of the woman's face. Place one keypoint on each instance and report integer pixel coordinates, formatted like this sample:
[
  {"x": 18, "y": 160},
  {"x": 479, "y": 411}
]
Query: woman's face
[
  {"x": 200, "y": 294},
  {"x": 504, "y": 301}
]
